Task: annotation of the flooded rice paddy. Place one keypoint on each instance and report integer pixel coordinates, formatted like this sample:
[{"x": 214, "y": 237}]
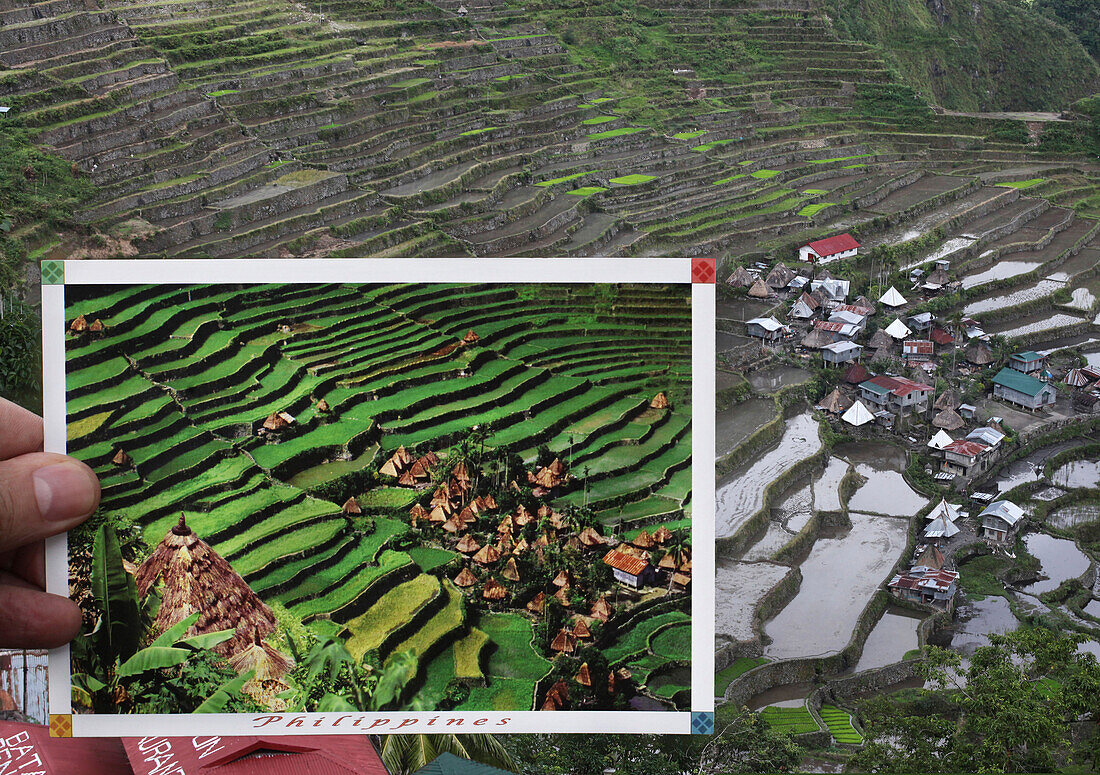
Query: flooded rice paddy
[
  {"x": 1060, "y": 559},
  {"x": 977, "y": 620},
  {"x": 1020, "y": 296},
  {"x": 773, "y": 378},
  {"x": 885, "y": 490},
  {"x": 820, "y": 619},
  {"x": 894, "y": 634},
  {"x": 739, "y": 587},
  {"x": 734, "y": 425},
  {"x": 1078, "y": 473},
  {"x": 999, "y": 271},
  {"x": 1073, "y": 515},
  {"x": 741, "y": 495}
]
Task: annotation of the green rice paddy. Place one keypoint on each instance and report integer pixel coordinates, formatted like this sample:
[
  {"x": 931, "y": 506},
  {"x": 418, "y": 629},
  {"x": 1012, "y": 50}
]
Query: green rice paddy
[
  {"x": 839, "y": 722},
  {"x": 793, "y": 721},
  {"x": 633, "y": 180},
  {"x": 586, "y": 191}
]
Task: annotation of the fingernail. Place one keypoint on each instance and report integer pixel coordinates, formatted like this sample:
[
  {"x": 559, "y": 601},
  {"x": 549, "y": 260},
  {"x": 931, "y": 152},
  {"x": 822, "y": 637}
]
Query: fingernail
[{"x": 64, "y": 492}]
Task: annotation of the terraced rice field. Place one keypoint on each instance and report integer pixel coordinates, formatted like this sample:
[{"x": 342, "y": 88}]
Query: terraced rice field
[
  {"x": 792, "y": 721},
  {"x": 185, "y": 378},
  {"x": 840, "y": 726}
]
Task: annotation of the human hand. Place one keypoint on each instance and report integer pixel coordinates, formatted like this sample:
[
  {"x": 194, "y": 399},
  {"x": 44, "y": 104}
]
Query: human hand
[{"x": 41, "y": 495}]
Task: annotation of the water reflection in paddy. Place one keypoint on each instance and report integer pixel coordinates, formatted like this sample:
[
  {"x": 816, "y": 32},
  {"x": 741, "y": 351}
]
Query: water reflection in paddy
[
  {"x": 772, "y": 378},
  {"x": 1092, "y": 608},
  {"x": 1078, "y": 473},
  {"x": 893, "y": 635},
  {"x": 838, "y": 578},
  {"x": 885, "y": 491},
  {"x": 1060, "y": 558},
  {"x": 1073, "y": 515},
  {"x": 742, "y": 494},
  {"x": 999, "y": 271},
  {"x": 786, "y": 696},
  {"x": 977, "y": 620}
]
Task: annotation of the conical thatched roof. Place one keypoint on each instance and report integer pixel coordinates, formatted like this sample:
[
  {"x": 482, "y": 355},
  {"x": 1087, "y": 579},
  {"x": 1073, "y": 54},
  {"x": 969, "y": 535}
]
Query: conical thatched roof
[
  {"x": 580, "y": 627},
  {"x": 521, "y": 546},
  {"x": 644, "y": 540},
  {"x": 419, "y": 470},
  {"x": 816, "y": 339},
  {"x": 759, "y": 290},
  {"x": 465, "y": 578},
  {"x": 468, "y": 545},
  {"x": 668, "y": 562},
  {"x": 779, "y": 277},
  {"x": 471, "y": 337},
  {"x": 938, "y": 277},
  {"x": 856, "y": 373},
  {"x": 276, "y": 421},
  {"x": 863, "y": 301},
  {"x": 488, "y": 554},
  {"x": 835, "y": 403},
  {"x": 97, "y": 326},
  {"x": 740, "y": 278},
  {"x": 562, "y": 579},
  {"x": 268, "y": 666},
  {"x": 542, "y": 541},
  {"x": 562, "y": 596},
  {"x": 949, "y": 399},
  {"x": 662, "y": 535},
  {"x": 417, "y": 513},
  {"x": 198, "y": 579},
  {"x": 507, "y": 525},
  {"x": 880, "y": 339},
  {"x": 389, "y": 468},
  {"x": 537, "y": 604},
  {"x": 79, "y": 325},
  {"x": 322, "y": 406},
  {"x": 351, "y": 506},
  {"x": 601, "y": 609},
  {"x": 590, "y": 538},
  {"x": 438, "y": 515},
  {"x": 460, "y": 472},
  {"x": 583, "y": 677},
  {"x": 407, "y": 479},
  {"x": 510, "y": 572},
  {"x": 493, "y": 590},
  {"x": 949, "y": 420},
  {"x": 660, "y": 401},
  {"x": 402, "y": 456},
  {"x": 564, "y": 642},
  {"x": 122, "y": 459},
  {"x": 979, "y": 354},
  {"x": 454, "y": 525},
  {"x": 522, "y": 517}
]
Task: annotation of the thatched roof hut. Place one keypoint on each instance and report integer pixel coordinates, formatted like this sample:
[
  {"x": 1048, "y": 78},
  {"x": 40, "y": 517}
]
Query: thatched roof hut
[
  {"x": 468, "y": 544},
  {"x": 759, "y": 290},
  {"x": 465, "y": 578},
  {"x": 198, "y": 579},
  {"x": 562, "y": 596},
  {"x": 276, "y": 421},
  {"x": 537, "y": 604},
  {"x": 417, "y": 513},
  {"x": 583, "y": 677},
  {"x": 351, "y": 506},
  {"x": 521, "y": 546},
  {"x": 835, "y": 403},
  {"x": 542, "y": 541},
  {"x": 560, "y": 693},
  {"x": 471, "y": 337},
  {"x": 268, "y": 666},
  {"x": 660, "y": 401},
  {"x": 662, "y": 535},
  {"x": 978, "y": 353},
  {"x": 580, "y": 627},
  {"x": 510, "y": 572},
  {"x": 601, "y": 609},
  {"x": 439, "y": 515},
  {"x": 880, "y": 339},
  {"x": 493, "y": 590},
  {"x": 488, "y": 555},
  {"x": 949, "y": 399},
  {"x": 779, "y": 277},
  {"x": 507, "y": 525},
  {"x": 390, "y": 468},
  {"x": 121, "y": 459},
  {"x": 562, "y": 579},
  {"x": 402, "y": 456},
  {"x": 454, "y": 525},
  {"x": 740, "y": 278},
  {"x": 856, "y": 373},
  {"x": 79, "y": 325},
  {"x": 668, "y": 562},
  {"x": 644, "y": 540},
  {"x": 322, "y": 406},
  {"x": 816, "y": 339},
  {"x": 97, "y": 327},
  {"x": 564, "y": 642},
  {"x": 949, "y": 420},
  {"x": 590, "y": 538}
]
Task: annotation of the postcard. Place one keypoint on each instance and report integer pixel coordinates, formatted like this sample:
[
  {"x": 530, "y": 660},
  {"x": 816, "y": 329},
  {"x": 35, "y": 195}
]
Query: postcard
[{"x": 385, "y": 495}]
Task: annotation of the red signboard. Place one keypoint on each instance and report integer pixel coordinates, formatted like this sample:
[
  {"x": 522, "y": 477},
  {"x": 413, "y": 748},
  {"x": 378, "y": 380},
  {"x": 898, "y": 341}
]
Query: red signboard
[
  {"x": 320, "y": 755},
  {"x": 28, "y": 749}
]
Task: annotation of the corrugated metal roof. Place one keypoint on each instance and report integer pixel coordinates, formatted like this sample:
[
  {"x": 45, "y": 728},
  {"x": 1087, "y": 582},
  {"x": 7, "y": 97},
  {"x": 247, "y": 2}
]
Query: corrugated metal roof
[
  {"x": 1018, "y": 381},
  {"x": 305, "y": 755},
  {"x": 21, "y": 745},
  {"x": 626, "y": 563},
  {"x": 833, "y": 245}
]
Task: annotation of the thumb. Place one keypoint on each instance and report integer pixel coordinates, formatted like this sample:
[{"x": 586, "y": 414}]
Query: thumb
[{"x": 43, "y": 494}]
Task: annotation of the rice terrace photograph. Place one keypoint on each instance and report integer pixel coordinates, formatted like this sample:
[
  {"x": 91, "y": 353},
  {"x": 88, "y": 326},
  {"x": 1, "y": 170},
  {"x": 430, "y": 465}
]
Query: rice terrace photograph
[{"x": 369, "y": 497}]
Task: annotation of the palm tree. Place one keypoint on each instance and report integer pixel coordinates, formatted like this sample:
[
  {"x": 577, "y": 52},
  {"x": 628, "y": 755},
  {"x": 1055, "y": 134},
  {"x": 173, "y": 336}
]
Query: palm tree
[{"x": 405, "y": 754}]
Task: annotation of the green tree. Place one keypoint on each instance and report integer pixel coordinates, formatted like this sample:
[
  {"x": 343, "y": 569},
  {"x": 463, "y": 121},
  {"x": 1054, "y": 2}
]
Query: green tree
[
  {"x": 1012, "y": 709},
  {"x": 405, "y": 754}
]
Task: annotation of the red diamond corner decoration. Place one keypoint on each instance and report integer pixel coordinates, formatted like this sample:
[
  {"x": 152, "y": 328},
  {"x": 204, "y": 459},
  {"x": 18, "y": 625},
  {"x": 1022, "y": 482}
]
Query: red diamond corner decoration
[
  {"x": 61, "y": 725},
  {"x": 702, "y": 270}
]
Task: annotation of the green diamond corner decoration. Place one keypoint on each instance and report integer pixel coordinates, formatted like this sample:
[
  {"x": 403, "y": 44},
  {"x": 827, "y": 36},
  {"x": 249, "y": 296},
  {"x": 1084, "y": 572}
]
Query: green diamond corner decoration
[{"x": 53, "y": 272}]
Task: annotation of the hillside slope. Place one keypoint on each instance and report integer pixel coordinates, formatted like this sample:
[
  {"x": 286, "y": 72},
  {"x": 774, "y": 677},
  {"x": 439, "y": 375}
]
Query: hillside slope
[{"x": 977, "y": 55}]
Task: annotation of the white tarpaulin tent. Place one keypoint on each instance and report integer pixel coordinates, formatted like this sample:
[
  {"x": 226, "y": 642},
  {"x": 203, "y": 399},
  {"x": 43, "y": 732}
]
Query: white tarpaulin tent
[
  {"x": 892, "y": 298},
  {"x": 897, "y": 329},
  {"x": 945, "y": 509},
  {"x": 941, "y": 527},
  {"x": 940, "y": 440},
  {"x": 858, "y": 415}
]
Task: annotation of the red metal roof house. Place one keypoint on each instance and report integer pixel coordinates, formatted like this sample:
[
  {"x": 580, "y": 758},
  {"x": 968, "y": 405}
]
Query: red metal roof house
[
  {"x": 308, "y": 755},
  {"x": 824, "y": 251},
  {"x": 27, "y": 749}
]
